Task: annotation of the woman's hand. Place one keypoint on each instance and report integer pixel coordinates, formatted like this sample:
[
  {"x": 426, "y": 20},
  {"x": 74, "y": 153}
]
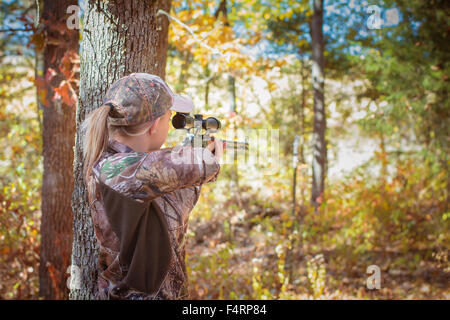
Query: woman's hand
[{"x": 216, "y": 147}]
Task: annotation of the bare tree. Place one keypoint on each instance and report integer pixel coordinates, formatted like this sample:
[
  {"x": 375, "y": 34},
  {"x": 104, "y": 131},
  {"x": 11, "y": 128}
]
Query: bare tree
[
  {"x": 58, "y": 140},
  {"x": 319, "y": 143}
]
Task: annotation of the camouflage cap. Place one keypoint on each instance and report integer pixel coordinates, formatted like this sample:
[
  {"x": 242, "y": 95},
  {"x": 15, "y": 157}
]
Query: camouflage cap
[{"x": 141, "y": 97}]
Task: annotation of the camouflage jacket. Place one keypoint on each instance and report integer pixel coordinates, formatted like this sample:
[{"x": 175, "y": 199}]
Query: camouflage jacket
[{"x": 174, "y": 187}]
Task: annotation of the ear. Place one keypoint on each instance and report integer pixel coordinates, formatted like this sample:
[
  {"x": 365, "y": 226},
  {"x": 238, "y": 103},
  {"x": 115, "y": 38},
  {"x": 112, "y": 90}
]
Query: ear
[{"x": 154, "y": 125}]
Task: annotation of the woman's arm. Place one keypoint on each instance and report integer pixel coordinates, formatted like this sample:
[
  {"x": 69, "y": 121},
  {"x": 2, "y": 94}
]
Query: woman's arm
[{"x": 166, "y": 170}]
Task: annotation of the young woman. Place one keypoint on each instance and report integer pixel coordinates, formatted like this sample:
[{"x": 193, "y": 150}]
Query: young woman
[{"x": 140, "y": 198}]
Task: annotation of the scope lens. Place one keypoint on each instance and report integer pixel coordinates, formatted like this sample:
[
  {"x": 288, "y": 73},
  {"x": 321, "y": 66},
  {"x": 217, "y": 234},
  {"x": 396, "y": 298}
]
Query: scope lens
[
  {"x": 179, "y": 121},
  {"x": 185, "y": 121},
  {"x": 211, "y": 123}
]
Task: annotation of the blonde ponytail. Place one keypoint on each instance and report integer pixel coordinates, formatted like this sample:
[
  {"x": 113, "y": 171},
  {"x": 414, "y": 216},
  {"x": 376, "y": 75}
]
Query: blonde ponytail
[{"x": 95, "y": 135}]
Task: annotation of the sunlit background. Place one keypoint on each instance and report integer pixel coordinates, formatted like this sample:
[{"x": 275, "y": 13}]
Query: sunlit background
[{"x": 387, "y": 182}]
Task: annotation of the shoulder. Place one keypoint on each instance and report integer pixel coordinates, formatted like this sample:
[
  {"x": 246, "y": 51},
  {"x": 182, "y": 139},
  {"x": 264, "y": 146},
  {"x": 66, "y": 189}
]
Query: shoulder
[
  {"x": 118, "y": 171},
  {"x": 129, "y": 172},
  {"x": 113, "y": 167}
]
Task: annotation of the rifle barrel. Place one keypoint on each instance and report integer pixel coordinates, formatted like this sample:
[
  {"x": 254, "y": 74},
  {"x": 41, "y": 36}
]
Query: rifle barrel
[{"x": 236, "y": 144}]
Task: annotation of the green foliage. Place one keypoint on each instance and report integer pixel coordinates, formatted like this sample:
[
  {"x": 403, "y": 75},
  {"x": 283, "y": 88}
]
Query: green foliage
[
  {"x": 316, "y": 275},
  {"x": 20, "y": 171},
  {"x": 244, "y": 242},
  {"x": 400, "y": 213},
  {"x": 20, "y": 165},
  {"x": 408, "y": 67},
  {"x": 399, "y": 223}
]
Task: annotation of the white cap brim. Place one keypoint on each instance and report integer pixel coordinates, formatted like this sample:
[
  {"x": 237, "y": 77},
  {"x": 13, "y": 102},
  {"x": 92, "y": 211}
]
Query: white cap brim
[{"x": 182, "y": 103}]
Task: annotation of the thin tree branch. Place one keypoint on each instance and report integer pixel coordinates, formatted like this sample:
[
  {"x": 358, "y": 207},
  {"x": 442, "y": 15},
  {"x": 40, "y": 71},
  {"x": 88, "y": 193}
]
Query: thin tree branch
[{"x": 17, "y": 29}]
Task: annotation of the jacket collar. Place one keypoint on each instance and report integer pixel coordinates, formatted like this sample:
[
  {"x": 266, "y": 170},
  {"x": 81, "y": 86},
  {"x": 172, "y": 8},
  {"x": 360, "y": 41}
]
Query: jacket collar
[{"x": 118, "y": 147}]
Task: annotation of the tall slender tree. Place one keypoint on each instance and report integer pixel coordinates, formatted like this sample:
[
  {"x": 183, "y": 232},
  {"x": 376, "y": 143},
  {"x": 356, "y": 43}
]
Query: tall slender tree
[
  {"x": 119, "y": 38},
  {"x": 318, "y": 143},
  {"x": 58, "y": 141}
]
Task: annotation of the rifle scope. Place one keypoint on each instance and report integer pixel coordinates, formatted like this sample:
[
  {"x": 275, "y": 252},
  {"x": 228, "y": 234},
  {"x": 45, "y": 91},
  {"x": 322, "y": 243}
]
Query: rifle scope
[{"x": 185, "y": 121}]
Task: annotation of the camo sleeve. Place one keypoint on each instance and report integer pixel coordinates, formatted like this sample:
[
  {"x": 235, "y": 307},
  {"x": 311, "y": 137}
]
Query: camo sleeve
[{"x": 147, "y": 176}]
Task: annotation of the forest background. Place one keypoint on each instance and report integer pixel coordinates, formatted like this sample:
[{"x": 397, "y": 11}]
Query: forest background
[{"x": 250, "y": 63}]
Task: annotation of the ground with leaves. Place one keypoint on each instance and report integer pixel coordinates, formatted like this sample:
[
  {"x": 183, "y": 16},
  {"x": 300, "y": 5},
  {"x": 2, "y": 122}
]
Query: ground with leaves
[
  {"x": 262, "y": 251},
  {"x": 248, "y": 63}
]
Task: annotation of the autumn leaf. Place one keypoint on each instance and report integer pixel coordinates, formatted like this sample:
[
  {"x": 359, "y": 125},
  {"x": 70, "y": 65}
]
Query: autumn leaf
[
  {"x": 42, "y": 90},
  {"x": 50, "y": 74},
  {"x": 38, "y": 40},
  {"x": 69, "y": 64},
  {"x": 66, "y": 93}
]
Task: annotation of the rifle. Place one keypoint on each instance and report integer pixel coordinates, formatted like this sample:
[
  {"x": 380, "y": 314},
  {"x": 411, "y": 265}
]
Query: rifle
[{"x": 195, "y": 125}]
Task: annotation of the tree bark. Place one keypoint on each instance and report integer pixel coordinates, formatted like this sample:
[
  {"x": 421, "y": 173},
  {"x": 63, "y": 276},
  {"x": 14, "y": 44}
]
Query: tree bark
[
  {"x": 184, "y": 72},
  {"x": 319, "y": 143},
  {"x": 234, "y": 171},
  {"x": 58, "y": 140},
  {"x": 120, "y": 37},
  {"x": 232, "y": 92},
  {"x": 209, "y": 78}
]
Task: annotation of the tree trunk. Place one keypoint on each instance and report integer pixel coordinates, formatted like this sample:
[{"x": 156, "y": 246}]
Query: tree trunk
[
  {"x": 208, "y": 77},
  {"x": 232, "y": 92},
  {"x": 188, "y": 57},
  {"x": 319, "y": 144},
  {"x": 58, "y": 140},
  {"x": 120, "y": 37},
  {"x": 234, "y": 172},
  {"x": 303, "y": 171}
]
